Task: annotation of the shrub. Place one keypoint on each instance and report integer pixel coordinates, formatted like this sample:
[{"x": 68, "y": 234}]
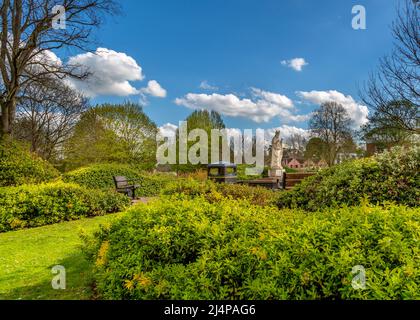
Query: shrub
[
  {"x": 200, "y": 175},
  {"x": 193, "y": 249},
  {"x": 36, "y": 205},
  {"x": 256, "y": 195},
  {"x": 189, "y": 187},
  {"x": 215, "y": 191},
  {"x": 391, "y": 176},
  {"x": 19, "y": 166},
  {"x": 100, "y": 176}
]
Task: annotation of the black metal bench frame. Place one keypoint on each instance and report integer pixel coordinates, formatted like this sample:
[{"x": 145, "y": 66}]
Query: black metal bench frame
[{"x": 126, "y": 186}]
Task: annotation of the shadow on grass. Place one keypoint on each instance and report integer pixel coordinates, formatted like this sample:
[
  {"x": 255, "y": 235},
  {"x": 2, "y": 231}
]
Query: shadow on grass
[{"x": 79, "y": 280}]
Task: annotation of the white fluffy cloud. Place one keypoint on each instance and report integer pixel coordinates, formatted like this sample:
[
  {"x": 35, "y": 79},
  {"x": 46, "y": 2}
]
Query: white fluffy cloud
[
  {"x": 168, "y": 130},
  {"x": 48, "y": 58},
  {"x": 296, "y": 64},
  {"x": 111, "y": 73},
  {"x": 154, "y": 89},
  {"x": 286, "y": 132},
  {"x": 262, "y": 107},
  {"x": 357, "y": 112},
  {"x": 206, "y": 86}
]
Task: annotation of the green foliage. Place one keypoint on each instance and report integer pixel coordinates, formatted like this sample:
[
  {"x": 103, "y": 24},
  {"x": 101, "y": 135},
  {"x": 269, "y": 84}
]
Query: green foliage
[
  {"x": 205, "y": 120},
  {"x": 214, "y": 192},
  {"x": 391, "y": 176},
  {"x": 254, "y": 194},
  {"x": 19, "y": 166},
  {"x": 37, "y": 205},
  {"x": 316, "y": 150},
  {"x": 113, "y": 133},
  {"x": 100, "y": 176},
  {"x": 392, "y": 124},
  {"x": 290, "y": 170},
  {"x": 193, "y": 249}
]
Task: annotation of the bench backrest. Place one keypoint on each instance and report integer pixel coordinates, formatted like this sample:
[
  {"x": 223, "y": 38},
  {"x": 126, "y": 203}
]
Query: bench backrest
[{"x": 120, "y": 182}]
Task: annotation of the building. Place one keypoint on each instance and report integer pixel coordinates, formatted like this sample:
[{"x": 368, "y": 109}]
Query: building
[{"x": 294, "y": 164}]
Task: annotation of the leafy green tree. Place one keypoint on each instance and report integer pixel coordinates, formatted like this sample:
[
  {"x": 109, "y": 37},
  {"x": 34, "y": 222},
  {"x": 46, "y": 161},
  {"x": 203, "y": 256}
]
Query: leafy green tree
[
  {"x": 199, "y": 119},
  {"x": 316, "y": 150},
  {"x": 202, "y": 119},
  {"x": 113, "y": 133},
  {"x": 392, "y": 124}
]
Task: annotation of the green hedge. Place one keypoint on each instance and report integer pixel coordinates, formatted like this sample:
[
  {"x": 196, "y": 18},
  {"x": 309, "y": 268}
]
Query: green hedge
[
  {"x": 100, "y": 176},
  {"x": 215, "y": 191},
  {"x": 37, "y": 205},
  {"x": 391, "y": 176},
  {"x": 193, "y": 249},
  {"x": 19, "y": 166}
]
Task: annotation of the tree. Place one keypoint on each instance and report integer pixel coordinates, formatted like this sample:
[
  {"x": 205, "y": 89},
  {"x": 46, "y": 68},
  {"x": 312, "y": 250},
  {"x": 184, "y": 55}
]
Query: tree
[
  {"x": 199, "y": 119},
  {"x": 316, "y": 150},
  {"x": 331, "y": 123},
  {"x": 129, "y": 122},
  {"x": 393, "y": 92},
  {"x": 387, "y": 125},
  {"x": 46, "y": 116},
  {"x": 296, "y": 142},
  {"x": 27, "y": 42},
  {"x": 202, "y": 119},
  {"x": 113, "y": 133}
]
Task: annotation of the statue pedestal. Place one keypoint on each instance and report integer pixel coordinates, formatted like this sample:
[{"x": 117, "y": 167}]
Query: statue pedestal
[{"x": 275, "y": 173}]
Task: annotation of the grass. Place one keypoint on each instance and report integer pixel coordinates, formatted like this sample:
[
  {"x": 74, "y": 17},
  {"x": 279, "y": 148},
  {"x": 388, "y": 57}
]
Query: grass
[{"x": 27, "y": 256}]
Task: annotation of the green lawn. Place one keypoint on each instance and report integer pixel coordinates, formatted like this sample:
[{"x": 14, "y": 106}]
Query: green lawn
[{"x": 27, "y": 256}]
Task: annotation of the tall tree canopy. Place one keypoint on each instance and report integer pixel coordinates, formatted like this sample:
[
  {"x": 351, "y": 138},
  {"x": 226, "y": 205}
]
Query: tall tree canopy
[
  {"x": 46, "y": 116},
  {"x": 332, "y": 124},
  {"x": 393, "y": 91},
  {"x": 205, "y": 120},
  {"x": 113, "y": 133},
  {"x": 28, "y": 40}
]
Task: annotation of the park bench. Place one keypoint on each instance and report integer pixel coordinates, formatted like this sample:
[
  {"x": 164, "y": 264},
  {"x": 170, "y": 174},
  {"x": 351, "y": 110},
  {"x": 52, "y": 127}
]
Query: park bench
[
  {"x": 292, "y": 179},
  {"x": 126, "y": 186}
]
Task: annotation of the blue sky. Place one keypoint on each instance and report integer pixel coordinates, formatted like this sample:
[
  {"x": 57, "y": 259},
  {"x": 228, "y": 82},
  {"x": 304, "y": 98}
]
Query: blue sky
[{"x": 236, "y": 45}]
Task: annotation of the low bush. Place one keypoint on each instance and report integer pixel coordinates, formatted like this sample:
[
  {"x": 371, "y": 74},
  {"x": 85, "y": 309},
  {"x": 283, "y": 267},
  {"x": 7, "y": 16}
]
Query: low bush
[
  {"x": 200, "y": 175},
  {"x": 193, "y": 249},
  {"x": 19, "y": 166},
  {"x": 255, "y": 195},
  {"x": 189, "y": 187},
  {"x": 37, "y": 205},
  {"x": 391, "y": 176},
  {"x": 100, "y": 176},
  {"x": 215, "y": 191}
]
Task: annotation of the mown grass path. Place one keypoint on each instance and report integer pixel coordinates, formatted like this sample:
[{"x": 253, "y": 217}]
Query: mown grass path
[{"x": 27, "y": 256}]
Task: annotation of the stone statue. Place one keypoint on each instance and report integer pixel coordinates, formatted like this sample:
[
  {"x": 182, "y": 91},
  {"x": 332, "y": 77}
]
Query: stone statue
[{"x": 276, "y": 156}]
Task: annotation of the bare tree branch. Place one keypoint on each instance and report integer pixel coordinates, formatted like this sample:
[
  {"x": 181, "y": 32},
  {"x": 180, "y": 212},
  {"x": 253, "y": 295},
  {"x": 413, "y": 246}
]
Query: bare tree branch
[{"x": 27, "y": 37}]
